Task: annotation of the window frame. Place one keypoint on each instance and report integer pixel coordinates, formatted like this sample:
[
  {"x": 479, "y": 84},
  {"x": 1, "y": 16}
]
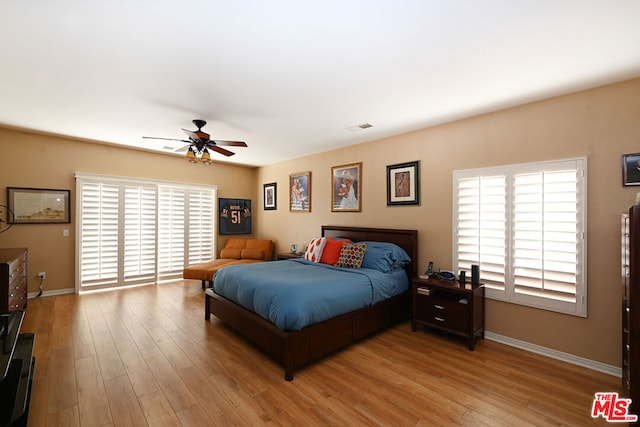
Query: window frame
[{"x": 506, "y": 290}]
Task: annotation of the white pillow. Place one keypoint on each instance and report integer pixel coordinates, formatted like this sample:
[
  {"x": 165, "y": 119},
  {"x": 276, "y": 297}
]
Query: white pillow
[{"x": 314, "y": 249}]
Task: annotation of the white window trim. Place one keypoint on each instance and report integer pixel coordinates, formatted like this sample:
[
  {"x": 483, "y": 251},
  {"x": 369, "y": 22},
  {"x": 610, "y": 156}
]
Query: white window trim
[{"x": 579, "y": 308}]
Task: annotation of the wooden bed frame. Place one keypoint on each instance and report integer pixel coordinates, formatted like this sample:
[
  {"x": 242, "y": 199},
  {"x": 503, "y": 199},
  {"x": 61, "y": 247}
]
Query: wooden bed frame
[{"x": 297, "y": 348}]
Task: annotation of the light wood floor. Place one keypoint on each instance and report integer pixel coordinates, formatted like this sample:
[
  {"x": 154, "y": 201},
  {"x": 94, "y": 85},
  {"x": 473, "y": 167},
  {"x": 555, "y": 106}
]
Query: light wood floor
[{"x": 146, "y": 356}]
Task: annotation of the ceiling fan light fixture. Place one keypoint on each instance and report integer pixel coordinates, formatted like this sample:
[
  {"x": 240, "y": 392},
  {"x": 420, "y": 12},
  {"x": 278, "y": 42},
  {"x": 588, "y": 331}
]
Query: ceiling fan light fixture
[
  {"x": 191, "y": 156},
  {"x": 206, "y": 157}
]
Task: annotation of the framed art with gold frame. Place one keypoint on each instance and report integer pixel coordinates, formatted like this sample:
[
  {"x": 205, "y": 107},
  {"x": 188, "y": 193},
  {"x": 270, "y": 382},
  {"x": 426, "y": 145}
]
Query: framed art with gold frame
[
  {"x": 300, "y": 192},
  {"x": 346, "y": 188}
]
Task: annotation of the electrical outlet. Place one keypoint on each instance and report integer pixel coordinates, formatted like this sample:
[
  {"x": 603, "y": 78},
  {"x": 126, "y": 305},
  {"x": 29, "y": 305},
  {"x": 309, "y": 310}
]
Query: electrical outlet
[{"x": 42, "y": 275}]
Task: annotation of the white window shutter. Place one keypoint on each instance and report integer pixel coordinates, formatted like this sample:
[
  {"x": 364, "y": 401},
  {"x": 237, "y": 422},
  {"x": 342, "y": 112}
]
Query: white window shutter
[
  {"x": 525, "y": 226},
  {"x": 200, "y": 227},
  {"x": 481, "y": 227},
  {"x": 171, "y": 232},
  {"x": 139, "y": 234},
  {"x": 547, "y": 237},
  {"x": 98, "y": 234}
]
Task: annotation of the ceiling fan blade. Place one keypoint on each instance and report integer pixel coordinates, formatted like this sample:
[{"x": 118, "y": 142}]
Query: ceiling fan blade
[
  {"x": 229, "y": 143},
  {"x": 197, "y": 135},
  {"x": 166, "y": 139},
  {"x": 221, "y": 150}
]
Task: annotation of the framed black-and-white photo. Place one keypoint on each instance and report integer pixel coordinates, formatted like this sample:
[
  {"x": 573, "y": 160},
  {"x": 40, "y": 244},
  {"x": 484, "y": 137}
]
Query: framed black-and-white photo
[
  {"x": 403, "y": 184},
  {"x": 631, "y": 169},
  {"x": 270, "y": 196},
  {"x": 39, "y": 205},
  {"x": 235, "y": 216}
]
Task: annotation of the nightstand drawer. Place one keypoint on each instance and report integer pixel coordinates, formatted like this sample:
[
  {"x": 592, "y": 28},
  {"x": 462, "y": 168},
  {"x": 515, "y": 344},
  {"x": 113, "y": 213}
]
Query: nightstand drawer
[{"x": 443, "y": 310}]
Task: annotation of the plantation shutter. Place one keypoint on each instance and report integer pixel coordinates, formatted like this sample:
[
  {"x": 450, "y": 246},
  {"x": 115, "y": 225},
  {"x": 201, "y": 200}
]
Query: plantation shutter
[
  {"x": 171, "y": 232},
  {"x": 200, "y": 226},
  {"x": 546, "y": 233},
  {"x": 524, "y": 225},
  {"x": 132, "y": 232},
  {"x": 139, "y": 234},
  {"x": 481, "y": 227},
  {"x": 98, "y": 239}
]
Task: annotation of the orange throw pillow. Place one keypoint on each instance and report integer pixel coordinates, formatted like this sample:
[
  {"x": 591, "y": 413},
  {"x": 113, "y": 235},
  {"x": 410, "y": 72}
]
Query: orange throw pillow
[{"x": 331, "y": 251}]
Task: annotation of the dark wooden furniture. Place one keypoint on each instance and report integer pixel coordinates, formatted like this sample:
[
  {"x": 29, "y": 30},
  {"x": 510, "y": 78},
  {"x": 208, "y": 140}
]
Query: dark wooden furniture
[
  {"x": 13, "y": 279},
  {"x": 297, "y": 348},
  {"x": 290, "y": 255},
  {"x": 449, "y": 306},
  {"x": 631, "y": 306},
  {"x": 17, "y": 365}
]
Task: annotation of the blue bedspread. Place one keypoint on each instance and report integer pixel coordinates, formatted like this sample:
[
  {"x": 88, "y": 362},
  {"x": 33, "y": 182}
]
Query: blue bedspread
[{"x": 296, "y": 293}]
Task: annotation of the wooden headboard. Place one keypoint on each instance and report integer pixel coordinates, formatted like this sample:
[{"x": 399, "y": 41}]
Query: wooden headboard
[{"x": 406, "y": 239}]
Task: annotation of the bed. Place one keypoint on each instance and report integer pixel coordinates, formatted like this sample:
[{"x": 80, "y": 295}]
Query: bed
[{"x": 296, "y": 348}]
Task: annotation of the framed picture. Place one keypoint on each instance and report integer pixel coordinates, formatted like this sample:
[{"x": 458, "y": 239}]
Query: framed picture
[
  {"x": 235, "y": 216},
  {"x": 631, "y": 169},
  {"x": 346, "y": 185},
  {"x": 39, "y": 205},
  {"x": 300, "y": 192},
  {"x": 270, "y": 196},
  {"x": 403, "y": 184}
]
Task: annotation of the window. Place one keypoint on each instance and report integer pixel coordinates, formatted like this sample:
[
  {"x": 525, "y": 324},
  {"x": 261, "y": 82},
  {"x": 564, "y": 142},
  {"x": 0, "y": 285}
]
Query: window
[
  {"x": 525, "y": 226},
  {"x": 135, "y": 231}
]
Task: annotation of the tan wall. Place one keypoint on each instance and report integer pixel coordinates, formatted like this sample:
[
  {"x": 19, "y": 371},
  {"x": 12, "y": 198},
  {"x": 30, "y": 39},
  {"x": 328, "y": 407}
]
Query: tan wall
[
  {"x": 43, "y": 161},
  {"x": 601, "y": 124}
]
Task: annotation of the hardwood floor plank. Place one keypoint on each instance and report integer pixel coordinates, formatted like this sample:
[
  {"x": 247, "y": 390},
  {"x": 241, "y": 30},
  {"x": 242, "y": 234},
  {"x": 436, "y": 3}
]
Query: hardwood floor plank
[
  {"x": 140, "y": 376},
  {"x": 110, "y": 362},
  {"x": 218, "y": 410},
  {"x": 146, "y": 357},
  {"x": 92, "y": 399},
  {"x": 63, "y": 393},
  {"x": 177, "y": 394},
  {"x": 125, "y": 407},
  {"x": 158, "y": 411}
]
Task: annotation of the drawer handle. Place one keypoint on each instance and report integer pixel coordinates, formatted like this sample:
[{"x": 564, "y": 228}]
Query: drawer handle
[
  {"x": 439, "y": 307},
  {"x": 439, "y": 319}
]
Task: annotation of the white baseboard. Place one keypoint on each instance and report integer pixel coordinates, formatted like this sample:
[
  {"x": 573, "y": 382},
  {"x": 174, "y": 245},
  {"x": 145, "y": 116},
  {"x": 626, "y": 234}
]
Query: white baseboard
[
  {"x": 555, "y": 354},
  {"x": 51, "y": 293}
]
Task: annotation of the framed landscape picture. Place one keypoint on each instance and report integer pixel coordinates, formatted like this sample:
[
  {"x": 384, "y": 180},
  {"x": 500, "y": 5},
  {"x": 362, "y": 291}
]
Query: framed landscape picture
[
  {"x": 346, "y": 184},
  {"x": 403, "y": 184},
  {"x": 300, "y": 192},
  {"x": 39, "y": 205},
  {"x": 235, "y": 216}
]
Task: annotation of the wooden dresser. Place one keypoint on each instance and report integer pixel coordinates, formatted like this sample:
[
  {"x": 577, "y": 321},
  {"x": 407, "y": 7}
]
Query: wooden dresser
[{"x": 13, "y": 279}]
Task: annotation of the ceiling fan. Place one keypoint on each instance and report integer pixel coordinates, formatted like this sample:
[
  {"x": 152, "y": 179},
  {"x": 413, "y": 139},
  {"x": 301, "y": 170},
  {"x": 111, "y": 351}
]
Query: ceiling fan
[{"x": 199, "y": 144}]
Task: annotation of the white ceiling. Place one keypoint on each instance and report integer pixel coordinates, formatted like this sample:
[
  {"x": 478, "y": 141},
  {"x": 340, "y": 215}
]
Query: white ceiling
[{"x": 290, "y": 76}]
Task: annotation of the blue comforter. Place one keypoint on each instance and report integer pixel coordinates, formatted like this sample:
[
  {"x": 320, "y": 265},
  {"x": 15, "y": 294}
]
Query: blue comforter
[{"x": 296, "y": 293}]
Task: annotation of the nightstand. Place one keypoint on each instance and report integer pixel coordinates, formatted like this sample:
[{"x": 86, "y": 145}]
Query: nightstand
[
  {"x": 449, "y": 306},
  {"x": 290, "y": 255}
]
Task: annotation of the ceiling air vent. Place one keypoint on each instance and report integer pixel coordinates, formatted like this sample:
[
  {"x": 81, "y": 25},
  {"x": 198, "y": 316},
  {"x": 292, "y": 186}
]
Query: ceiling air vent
[{"x": 357, "y": 128}]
